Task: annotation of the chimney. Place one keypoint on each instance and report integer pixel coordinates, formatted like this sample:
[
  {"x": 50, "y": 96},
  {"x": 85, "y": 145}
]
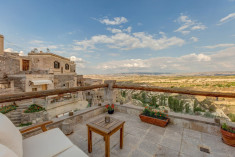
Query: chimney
[{"x": 1, "y": 44}]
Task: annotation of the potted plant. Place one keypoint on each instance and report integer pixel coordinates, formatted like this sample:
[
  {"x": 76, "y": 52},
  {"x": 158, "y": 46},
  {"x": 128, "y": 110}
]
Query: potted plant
[
  {"x": 154, "y": 117},
  {"x": 110, "y": 108},
  {"x": 228, "y": 134}
]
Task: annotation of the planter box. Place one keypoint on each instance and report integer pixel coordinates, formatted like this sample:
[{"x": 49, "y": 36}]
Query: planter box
[
  {"x": 155, "y": 121},
  {"x": 228, "y": 137}
]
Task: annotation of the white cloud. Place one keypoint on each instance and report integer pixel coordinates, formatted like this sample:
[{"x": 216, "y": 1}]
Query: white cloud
[
  {"x": 128, "y": 29},
  {"x": 125, "y": 41},
  {"x": 194, "y": 39},
  {"x": 80, "y": 63},
  {"x": 217, "y": 61},
  {"x": 114, "y": 30},
  {"x": 21, "y": 53},
  {"x": 218, "y": 46},
  {"x": 115, "y": 21},
  {"x": 36, "y": 42},
  {"x": 188, "y": 25},
  {"x": 227, "y": 18},
  {"x": 9, "y": 50}
]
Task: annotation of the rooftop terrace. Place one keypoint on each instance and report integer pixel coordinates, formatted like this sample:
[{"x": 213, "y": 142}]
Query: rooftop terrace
[{"x": 146, "y": 140}]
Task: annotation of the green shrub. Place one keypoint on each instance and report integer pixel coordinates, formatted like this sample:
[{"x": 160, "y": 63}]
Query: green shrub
[
  {"x": 198, "y": 109},
  {"x": 232, "y": 117},
  {"x": 123, "y": 93},
  {"x": 34, "y": 108},
  {"x": 149, "y": 112},
  {"x": 209, "y": 115},
  {"x": 27, "y": 124},
  {"x": 187, "y": 109},
  {"x": 6, "y": 109},
  {"x": 228, "y": 128}
]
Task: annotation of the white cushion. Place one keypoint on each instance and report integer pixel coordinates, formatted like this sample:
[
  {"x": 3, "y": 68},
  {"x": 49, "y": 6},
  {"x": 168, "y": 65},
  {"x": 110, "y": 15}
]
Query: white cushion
[
  {"x": 46, "y": 144},
  {"x": 6, "y": 152},
  {"x": 72, "y": 152},
  {"x": 10, "y": 136}
]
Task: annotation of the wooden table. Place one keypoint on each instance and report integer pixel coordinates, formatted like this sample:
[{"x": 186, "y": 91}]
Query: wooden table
[{"x": 105, "y": 129}]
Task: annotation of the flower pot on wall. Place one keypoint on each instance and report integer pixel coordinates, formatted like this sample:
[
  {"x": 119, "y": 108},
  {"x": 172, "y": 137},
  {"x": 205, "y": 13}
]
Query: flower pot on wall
[
  {"x": 110, "y": 111},
  {"x": 155, "y": 121},
  {"x": 228, "y": 137}
]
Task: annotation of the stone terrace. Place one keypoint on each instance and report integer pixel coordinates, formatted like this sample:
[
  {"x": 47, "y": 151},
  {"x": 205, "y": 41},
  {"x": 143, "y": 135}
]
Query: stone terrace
[{"x": 146, "y": 140}]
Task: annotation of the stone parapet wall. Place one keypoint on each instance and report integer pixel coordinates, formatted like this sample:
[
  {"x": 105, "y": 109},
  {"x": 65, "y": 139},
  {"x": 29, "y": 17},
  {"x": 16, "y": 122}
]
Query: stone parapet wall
[
  {"x": 34, "y": 118},
  {"x": 202, "y": 124},
  {"x": 78, "y": 117}
]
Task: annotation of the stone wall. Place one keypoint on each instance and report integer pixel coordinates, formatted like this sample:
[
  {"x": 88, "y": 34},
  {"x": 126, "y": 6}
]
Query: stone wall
[
  {"x": 65, "y": 106},
  {"x": 65, "y": 81},
  {"x": 78, "y": 117},
  {"x": 202, "y": 124},
  {"x": 19, "y": 81},
  {"x": 9, "y": 65},
  {"x": 34, "y": 118},
  {"x": 31, "y": 77},
  {"x": 45, "y": 61}
]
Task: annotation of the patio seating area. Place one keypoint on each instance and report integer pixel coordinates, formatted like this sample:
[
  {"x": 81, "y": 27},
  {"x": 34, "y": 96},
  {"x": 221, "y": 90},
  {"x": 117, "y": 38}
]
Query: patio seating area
[{"x": 146, "y": 140}]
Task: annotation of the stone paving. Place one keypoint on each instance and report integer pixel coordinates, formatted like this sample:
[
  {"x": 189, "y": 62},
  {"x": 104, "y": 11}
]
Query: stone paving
[{"x": 146, "y": 140}]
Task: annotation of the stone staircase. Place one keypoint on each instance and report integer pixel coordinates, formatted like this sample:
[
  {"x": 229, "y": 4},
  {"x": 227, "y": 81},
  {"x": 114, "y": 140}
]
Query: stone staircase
[{"x": 15, "y": 116}]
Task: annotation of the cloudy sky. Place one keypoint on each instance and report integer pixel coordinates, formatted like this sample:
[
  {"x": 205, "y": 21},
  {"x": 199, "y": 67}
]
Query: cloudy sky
[{"x": 110, "y": 36}]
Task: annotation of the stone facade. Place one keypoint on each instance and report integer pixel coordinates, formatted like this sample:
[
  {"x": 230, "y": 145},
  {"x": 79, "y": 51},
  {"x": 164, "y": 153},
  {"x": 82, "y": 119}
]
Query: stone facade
[
  {"x": 65, "y": 81},
  {"x": 46, "y": 62},
  {"x": 9, "y": 65},
  {"x": 34, "y": 118}
]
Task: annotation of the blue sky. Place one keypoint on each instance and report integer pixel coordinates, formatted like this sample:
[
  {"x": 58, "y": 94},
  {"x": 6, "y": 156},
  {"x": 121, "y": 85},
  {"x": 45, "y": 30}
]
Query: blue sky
[{"x": 109, "y": 36}]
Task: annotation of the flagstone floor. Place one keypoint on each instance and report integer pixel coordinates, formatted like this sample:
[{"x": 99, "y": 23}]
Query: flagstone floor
[{"x": 146, "y": 140}]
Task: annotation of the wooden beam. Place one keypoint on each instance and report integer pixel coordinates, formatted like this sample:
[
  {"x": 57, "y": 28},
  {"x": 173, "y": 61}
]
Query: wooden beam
[
  {"x": 38, "y": 94},
  {"x": 175, "y": 90}
]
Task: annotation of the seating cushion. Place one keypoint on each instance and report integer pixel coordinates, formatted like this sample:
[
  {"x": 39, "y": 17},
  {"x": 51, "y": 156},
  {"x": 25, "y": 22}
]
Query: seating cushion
[
  {"x": 10, "y": 136},
  {"x": 46, "y": 144},
  {"x": 6, "y": 152},
  {"x": 72, "y": 152}
]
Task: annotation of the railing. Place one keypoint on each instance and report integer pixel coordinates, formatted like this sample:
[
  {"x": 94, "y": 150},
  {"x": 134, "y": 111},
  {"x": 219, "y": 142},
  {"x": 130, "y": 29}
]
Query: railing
[{"x": 29, "y": 95}]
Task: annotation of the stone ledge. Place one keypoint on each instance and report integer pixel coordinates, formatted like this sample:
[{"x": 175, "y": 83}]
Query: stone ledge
[
  {"x": 202, "y": 124},
  {"x": 78, "y": 116}
]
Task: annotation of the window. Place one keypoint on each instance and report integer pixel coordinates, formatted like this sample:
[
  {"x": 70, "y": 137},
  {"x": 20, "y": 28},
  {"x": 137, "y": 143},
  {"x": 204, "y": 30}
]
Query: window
[
  {"x": 67, "y": 66},
  {"x": 56, "y": 65},
  {"x": 34, "y": 89}
]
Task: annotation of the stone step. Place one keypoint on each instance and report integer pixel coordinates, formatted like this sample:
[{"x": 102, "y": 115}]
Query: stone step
[{"x": 12, "y": 117}]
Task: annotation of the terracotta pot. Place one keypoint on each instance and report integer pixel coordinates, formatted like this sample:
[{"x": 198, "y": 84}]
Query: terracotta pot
[
  {"x": 228, "y": 137},
  {"x": 110, "y": 111},
  {"x": 155, "y": 121}
]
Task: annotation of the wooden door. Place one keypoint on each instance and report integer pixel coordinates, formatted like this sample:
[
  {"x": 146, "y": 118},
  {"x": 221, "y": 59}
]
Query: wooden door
[
  {"x": 62, "y": 70},
  {"x": 44, "y": 87},
  {"x": 25, "y": 65}
]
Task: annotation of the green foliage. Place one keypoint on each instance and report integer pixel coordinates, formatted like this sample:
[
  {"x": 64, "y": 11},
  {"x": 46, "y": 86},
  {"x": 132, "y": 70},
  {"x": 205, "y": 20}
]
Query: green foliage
[
  {"x": 27, "y": 124},
  {"x": 228, "y": 128},
  {"x": 6, "y": 109},
  {"x": 149, "y": 112},
  {"x": 212, "y": 108},
  {"x": 175, "y": 104},
  {"x": 209, "y": 115},
  {"x": 34, "y": 108},
  {"x": 123, "y": 93},
  {"x": 232, "y": 117},
  {"x": 198, "y": 109},
  {"x": 153, "y": 102},
  {"x": 187, "y": 109}
]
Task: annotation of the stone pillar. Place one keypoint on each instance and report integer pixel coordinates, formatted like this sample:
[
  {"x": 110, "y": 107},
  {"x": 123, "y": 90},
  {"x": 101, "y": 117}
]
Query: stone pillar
[
  {"x": 12, "y": 86},
  {"x": 1, "y": 44},
  {"x": 109, "y": 94}
]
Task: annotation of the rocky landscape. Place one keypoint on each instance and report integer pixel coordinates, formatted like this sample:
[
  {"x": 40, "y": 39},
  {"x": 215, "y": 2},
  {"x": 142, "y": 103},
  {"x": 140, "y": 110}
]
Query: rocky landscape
[{"x": 199, "y": 105}]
